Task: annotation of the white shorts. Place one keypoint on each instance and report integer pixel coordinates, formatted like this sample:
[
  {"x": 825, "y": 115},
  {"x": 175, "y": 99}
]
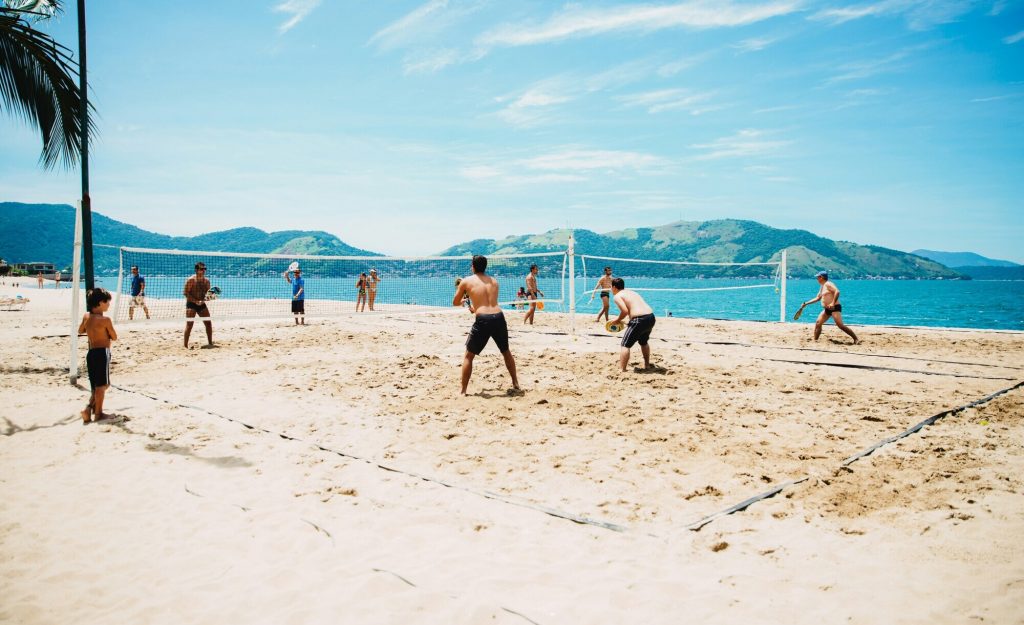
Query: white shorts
[{"x": 138, "y": 300}]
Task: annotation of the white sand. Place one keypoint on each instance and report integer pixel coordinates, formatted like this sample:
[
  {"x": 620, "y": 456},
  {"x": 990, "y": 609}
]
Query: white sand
[{"x": 171, "y": 514}]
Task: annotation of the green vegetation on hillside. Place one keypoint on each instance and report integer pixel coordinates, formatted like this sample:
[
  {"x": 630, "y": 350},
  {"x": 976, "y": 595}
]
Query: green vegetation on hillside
[
  {"x": 45, "y": 233},
  {"x": 725, "y": 240}
]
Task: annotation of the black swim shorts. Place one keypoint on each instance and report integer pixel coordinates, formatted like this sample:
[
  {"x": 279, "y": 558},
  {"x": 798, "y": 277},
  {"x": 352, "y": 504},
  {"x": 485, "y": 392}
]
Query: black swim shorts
[
  {"x": 833, "y": 309},
  {"x": 638, "y": 330},
  {"x": 299, "y": 306},
  {"x": 97, "y": 361},
  {"x": 604, "y": 293},
  {"x": 486, "y": 327},
  {"x": 200, "y": 309}
]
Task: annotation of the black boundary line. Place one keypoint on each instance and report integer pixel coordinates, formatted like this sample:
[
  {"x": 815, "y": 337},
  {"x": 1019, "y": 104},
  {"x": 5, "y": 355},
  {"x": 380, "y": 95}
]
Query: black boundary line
[
  {"x": 930, "y": 420},
  {"x": 480, "y": 493},
  {"x": 891, "y": 369},
  {"x": 746, "y": 503},
  {"x": 797, "y": 349},
  {"x": 696, "y": 526},
  {"x": 829, "y": 351}
]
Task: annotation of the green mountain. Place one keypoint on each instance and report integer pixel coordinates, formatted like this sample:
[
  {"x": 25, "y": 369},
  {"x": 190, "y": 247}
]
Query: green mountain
[
  {"x": 964, "y": 259},
  {"x": 45, "y": 233},
  {"x": 724, "y": 240}
]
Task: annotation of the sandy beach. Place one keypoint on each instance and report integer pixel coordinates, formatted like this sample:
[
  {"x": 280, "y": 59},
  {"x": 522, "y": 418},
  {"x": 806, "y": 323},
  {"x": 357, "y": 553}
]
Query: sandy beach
[{"x": 329, "y": 473}]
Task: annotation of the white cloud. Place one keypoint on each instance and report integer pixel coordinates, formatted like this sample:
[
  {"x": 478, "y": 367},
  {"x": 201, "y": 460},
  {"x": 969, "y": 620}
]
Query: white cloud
[
  {"x": 754, "y": 44},
  {"x": 580, "y": 160},
  {"x": 745, "y": 143},
  {"x": 668, "y": 100},
  {"x": 577, "y": 21},
  {"x": 671, "y": 69},
  {"x": 399, "y": 32},
  {"x": 919, "y": 14},
  {"x": 298, "y": 9},
  {"x": 429, "y": 62},
  {"x": 535, "y": 105},
  {"x": 1012, "y": 39},
  {"x": 859, "y": 70}
]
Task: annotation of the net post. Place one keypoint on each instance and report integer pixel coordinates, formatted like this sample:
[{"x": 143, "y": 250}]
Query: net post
[
  {"x": 120, "y": 281},
  {"x": 76, "y": 269},
  {"x": 572, "y": 284},
  {"x": 782, "y": 286}
]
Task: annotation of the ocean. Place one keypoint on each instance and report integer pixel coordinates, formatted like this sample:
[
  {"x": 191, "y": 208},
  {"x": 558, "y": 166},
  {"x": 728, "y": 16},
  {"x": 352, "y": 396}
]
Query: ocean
[{"x": 986, "y": 304}]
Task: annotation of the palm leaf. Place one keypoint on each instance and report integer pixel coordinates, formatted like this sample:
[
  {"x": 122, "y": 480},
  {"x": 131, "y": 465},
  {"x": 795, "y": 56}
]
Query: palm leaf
[{"x": 38, "y": 82}]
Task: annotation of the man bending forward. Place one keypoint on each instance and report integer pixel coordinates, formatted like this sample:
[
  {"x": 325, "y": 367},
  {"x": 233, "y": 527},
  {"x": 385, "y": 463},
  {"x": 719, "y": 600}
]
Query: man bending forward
[{"x": 641, "y": 322}]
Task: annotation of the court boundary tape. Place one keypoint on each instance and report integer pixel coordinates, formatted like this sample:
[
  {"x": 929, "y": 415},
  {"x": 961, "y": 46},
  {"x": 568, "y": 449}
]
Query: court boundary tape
[
  {"x": 553, "y": 512},
  {"x": 746, "y": 503},
  {"x": 845, "y": 365},
  {"x": 695, "y": 526}
]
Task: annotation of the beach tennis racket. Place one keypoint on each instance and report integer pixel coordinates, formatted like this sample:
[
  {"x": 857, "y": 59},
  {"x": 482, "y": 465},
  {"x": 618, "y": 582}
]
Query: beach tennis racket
[
  {"x": 540, "y": 305},
  {"x": 799, "y": 311},
  {"x": 213, "y": 293},
  {"x": 293, "y": 266},
  {"x": 613, "y": 327}
]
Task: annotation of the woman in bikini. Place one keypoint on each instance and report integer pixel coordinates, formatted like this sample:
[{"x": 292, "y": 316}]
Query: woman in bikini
[
  {"x": 361, "y": 298},
  {"x": 371, "y": 286}
]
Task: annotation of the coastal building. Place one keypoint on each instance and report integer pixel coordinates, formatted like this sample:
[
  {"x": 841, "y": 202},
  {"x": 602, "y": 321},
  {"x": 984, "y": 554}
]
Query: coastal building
[{"x": 31, "y": 269}]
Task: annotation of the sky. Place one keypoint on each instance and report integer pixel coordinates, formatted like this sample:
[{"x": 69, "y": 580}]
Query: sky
[{"x": 407, "y": 127}]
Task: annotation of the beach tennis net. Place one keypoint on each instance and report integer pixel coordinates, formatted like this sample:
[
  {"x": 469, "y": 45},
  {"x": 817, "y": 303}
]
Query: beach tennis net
[
  {"x": 747, "y": 290},
  {"x": 255, "y": 285}
]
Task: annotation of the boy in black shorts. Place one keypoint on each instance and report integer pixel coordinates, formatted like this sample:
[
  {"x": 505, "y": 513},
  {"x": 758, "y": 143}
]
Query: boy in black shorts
[
  {"x": 482, "y": 291},
  {"x": 100, "y": 331}
]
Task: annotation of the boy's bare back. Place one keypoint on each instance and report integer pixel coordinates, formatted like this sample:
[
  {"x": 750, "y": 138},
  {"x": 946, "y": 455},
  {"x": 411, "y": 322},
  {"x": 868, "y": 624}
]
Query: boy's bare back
[{"x": 99, "y": 329}]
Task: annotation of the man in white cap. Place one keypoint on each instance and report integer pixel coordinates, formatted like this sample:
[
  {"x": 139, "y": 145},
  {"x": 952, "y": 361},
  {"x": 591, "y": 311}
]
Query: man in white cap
[
  {"x": 828, "y": 295},
  {"x": 298, "y": 294}
]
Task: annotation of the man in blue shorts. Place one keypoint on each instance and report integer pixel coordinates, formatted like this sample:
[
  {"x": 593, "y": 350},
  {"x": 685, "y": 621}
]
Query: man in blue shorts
[{"x": 482, "y": 291}]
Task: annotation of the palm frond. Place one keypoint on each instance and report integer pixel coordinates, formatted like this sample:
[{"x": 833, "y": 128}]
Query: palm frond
[{"x": 38, "y": 83}]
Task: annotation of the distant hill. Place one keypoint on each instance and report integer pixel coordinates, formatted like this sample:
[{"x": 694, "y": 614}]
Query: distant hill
[
  {"x": 992, "y": 273},
  {"x": 963, "y": 259},
  {"x": 725, "y": 240},
  {"x": 45, "y": 233}
]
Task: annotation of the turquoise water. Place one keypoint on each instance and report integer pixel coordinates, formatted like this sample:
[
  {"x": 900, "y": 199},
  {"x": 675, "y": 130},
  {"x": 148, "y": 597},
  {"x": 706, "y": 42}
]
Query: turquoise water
[{"x": 937, "y": 303}]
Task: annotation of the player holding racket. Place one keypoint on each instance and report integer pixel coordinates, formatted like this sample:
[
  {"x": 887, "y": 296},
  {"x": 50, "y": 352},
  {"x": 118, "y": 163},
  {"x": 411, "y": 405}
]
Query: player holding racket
[
  {"x": 196, "y": 288},
  {"x": 482, "y": 290},
  {"x": 828, "y": 295},
  {"x": 641, "y": 322}
]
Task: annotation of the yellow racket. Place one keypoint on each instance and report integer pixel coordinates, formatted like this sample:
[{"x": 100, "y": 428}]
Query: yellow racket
[
  {"x": 613, "y": 327},
  {"x": 798, "y": 312}
]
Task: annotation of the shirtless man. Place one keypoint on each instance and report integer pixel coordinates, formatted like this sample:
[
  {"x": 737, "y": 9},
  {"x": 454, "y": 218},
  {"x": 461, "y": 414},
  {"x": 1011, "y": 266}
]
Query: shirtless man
[
  {"x": 196, "y": 288},
  {"x": 828, "y": 294},
  {"x": 641, "y": 322},
  {"x": 531, "y": 293},
  {"x": 482, "y": 290},
  {"x": 604, "y": 285}
]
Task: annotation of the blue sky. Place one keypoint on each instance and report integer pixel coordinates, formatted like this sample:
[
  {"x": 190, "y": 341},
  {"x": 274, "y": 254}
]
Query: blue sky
[{"x": 406, "y": 127}]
